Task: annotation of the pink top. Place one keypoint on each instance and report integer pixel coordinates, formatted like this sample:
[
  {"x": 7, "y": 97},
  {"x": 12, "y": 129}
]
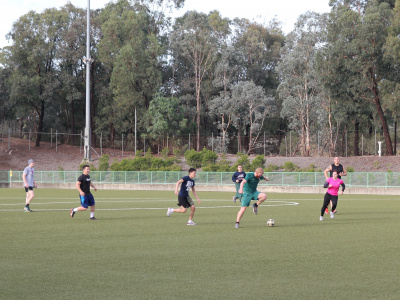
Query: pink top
[{"x": 333, "y": 190}]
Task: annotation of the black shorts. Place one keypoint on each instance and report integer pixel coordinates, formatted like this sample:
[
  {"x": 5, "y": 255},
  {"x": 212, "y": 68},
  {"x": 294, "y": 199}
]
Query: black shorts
[
  {"x": 29, "y": 189},
  {"x": 186, "y": 202}
]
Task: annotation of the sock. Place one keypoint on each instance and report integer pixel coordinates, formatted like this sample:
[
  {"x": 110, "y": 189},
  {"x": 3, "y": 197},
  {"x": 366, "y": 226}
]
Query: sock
[
  {"x": 27, "y": 205},
  {"x": 91, "y": 214},
  {"x": 237, "y": 222},
  {"x": 256, "y": 205},
  {"x": 75, "y": 209}
]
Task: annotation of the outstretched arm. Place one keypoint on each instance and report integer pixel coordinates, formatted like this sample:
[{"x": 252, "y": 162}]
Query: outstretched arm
[{"x": 241, "y": 186}]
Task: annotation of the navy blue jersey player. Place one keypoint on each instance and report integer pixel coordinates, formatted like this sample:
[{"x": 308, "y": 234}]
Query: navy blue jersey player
[
  {"x": 184, "y": 201},
  {"x": 237, "y": 178}
]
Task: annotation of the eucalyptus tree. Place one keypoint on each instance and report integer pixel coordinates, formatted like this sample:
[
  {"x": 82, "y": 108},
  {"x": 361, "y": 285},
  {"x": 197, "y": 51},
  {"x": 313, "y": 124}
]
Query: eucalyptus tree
[
  {"x": 223, "y": 107},
  {"x": 32, "y": 56},
  {"x": 253, "y": 105},
  {"x": 391, "y": 86},
  {"x": 194, "y": 44},
  {"x": 260, "y": 46},
  {"x": 355, "y": 38},
  {"x": 300, "y": 87},
  {"x": 131, "y": 50}
]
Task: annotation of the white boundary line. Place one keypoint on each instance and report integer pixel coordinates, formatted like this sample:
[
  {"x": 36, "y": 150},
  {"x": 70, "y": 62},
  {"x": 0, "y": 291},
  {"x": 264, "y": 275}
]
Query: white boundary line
[{"x": 270, "y": 204}]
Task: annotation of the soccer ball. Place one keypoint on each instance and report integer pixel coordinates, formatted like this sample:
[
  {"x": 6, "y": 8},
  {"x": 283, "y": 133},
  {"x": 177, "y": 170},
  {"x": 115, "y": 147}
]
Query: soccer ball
[{"x": 270, "y": 222}]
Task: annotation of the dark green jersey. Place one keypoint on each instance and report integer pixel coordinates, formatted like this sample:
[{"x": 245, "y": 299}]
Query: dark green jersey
[{"x": 251, "y": 183}]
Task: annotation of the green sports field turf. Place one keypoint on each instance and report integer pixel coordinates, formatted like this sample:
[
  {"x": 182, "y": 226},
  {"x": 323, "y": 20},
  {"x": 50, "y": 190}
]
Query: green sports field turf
[{"x": 134, "y": 251}]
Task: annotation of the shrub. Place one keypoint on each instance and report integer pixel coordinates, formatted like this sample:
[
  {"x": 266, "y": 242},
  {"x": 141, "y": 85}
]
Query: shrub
[
  {"x": 289, "y": 166},
  {"x": 272, "y": 168},
  {"x": 349, "y": 169},
  {"x": 242, "y": 160},
  {"x": 165, "y": 153},
  {"x": 86, "y": 162},
  {"x": 104, "y": 164},
  {"x": 193, "y": 158},
  {"x": 258, "y": 162},
  {"x": 208, "y": 157}
]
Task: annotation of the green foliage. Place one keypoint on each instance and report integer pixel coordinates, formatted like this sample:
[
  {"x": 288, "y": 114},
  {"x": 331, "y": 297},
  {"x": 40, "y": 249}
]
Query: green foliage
[
  {"x": 349, "y": 169},
  {"x": 86, "y": 162},
  {"x": 376, "y": 165},
  {"x": 104, "y": 162},
  {"x": 271, "y": 168},
  {"x": 221, "y": 166},
  {"x": 258, "y": 162},
  {"x": 193, "y": 158},
  {"x": 289, "y": 166},
  {"x": 145, "y": 163},
  {"x": 243, "y": 160},
  {"x": 208, "y": 157},
  {"x": 165, "y": 153}
]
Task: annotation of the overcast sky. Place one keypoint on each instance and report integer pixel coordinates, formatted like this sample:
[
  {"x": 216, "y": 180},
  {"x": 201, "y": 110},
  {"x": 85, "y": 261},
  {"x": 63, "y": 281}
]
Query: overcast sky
[{"x": 286, "y": 11}]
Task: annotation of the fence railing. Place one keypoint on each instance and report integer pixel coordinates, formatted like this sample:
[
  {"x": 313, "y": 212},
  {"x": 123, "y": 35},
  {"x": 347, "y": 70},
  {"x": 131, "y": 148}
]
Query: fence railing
[{"x": 311, "y": 179}]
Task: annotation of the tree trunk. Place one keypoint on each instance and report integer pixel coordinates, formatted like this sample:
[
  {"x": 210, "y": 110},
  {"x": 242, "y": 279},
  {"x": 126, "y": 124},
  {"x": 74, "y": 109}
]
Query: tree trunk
[
  {"x": 40, "y": 127},
  {"x": 356, "y": 138},
  {"x": 388, "y": 141}
]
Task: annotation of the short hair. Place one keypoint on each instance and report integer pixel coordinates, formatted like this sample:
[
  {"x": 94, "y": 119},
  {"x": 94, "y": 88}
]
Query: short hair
[
  {"x": 240, "y": 166},
  {"x": 336, "y": 171},
  {"x": 192, "y": 170},
  {"x": 84, "y": 166}
]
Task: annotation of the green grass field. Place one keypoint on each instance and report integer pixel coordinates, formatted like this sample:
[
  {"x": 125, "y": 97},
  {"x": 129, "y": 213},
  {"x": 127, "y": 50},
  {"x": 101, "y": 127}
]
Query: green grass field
[{"x": 134, "y": 251}]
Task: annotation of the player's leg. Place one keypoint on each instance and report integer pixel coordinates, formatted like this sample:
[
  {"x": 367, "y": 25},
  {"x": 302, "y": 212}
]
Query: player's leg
[
  {"x": 192, "y": 210},
  {"x": 327, "y": 199},
  {"x": 84, "y": 206},
  {"x": 243, "y": 206},
  {"x": 237, "y": 195},
  {"x": 240, "y": 213},
  {"x": 334, "y": 204},
  {"x": 29, "y": 196},
  {"x": 260, "y": 197}
]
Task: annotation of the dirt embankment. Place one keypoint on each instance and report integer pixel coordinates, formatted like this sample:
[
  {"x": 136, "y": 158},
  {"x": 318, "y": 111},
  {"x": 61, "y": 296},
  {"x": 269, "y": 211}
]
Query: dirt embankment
[{"x": 68, "y": 158}]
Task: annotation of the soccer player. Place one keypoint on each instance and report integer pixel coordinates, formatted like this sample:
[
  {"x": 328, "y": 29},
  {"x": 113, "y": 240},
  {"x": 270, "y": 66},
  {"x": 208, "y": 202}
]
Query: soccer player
[
  {"x": 237, "y": 179},
  {"x": 333, "y": 183},
  {"x": 184, "y": 200},
  {"x": 340, "y": 171},
  {"x": 249, "y": 186},
  {"x": 29, "y": 184},
  {"x": 83, "y": 186}
]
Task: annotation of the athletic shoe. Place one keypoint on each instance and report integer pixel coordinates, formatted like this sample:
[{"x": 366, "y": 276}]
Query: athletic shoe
[
  {"x": 335, "y": 211},
  {"x": 326, "y": 211},
  {"x": 93, "y": 218},
  {"x": 27, "y": 209},
  {"x": 169, "y": 211},
  {"x": 234, "y": 199},
  {"x": 191, "y": 223},
  {"x": 255, "y": 208},
  {"x": 332, "y": 214},
  {"x": 321, "y": 218},
  {"x": 237, "y": 225},
  {"x": 72, "y": 213}
]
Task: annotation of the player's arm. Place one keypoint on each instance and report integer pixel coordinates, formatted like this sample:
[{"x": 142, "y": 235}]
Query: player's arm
[
  {"x": 92, "y": 185},
  {"x": 343, "y": 187},
  {"x": 344, "y": 173},
  {"x": 266, "y": 178},
  {"x": 328, "y": 169},
  {"x": 177, "y": 186},
  {"x": 234, "y": 178},
  {"x": 78, "y": 187},
  {"x": 241, "y": 186},
  {"x": 24, "y": 178},
  {"x": 195, "y": 194}
]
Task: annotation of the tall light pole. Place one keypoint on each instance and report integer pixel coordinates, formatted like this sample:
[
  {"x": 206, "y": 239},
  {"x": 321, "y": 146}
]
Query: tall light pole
[{"x": 87, "y": 61}]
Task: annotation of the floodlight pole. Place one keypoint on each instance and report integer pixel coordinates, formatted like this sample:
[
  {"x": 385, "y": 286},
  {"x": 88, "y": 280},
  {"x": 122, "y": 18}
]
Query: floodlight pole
[{"x": 87, "y": 61}]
